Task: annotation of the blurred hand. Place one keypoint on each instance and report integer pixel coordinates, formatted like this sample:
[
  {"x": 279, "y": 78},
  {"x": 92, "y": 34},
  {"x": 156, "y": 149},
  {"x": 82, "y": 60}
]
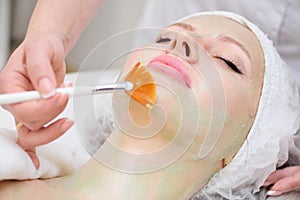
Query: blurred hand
[
  {"x": 283, "y": 180},
  {"x": 37, "y": 64}
]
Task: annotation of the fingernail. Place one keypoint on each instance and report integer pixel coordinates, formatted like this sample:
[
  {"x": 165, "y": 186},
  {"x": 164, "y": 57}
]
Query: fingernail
[
  {"x": 67, "y": 124},
  {"x": 46, "y": 88},
  {"x": 273, "y": 193}
]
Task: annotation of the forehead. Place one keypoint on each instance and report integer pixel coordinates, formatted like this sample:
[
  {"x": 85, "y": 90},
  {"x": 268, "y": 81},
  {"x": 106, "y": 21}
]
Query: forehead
[{"x": 212, "y": 26}]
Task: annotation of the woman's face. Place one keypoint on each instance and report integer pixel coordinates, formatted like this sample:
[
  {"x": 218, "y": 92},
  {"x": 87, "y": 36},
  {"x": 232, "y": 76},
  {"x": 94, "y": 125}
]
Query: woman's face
[{"x": 208, "y": 72}]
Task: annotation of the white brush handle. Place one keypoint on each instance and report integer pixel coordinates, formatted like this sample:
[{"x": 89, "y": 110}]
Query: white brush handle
[
  {"x": 71, "y": 91},
  {"x": 34, "y": 95}
]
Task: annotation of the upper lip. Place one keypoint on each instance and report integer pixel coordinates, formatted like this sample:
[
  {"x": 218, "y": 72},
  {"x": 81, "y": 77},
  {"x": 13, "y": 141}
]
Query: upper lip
[{"x": 175, "y": 64}]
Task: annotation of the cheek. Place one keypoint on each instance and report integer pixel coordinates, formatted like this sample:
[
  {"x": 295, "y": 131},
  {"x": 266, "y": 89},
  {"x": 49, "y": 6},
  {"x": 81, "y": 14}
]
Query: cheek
[
  {"x": 238, "y": 113},
  {"x": 238, "y": 99},
  {"x": 237, "y": 121}
]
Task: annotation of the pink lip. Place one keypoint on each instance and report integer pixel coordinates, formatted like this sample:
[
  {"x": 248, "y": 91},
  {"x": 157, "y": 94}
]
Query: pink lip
[{"x": 169, "y": 62}]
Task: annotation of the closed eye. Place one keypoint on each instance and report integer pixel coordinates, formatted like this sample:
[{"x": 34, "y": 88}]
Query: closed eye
[{"x": 231, "y": 65}]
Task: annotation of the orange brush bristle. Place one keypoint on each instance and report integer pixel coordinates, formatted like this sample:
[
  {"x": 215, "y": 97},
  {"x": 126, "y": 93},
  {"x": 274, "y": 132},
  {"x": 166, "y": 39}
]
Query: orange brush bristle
[{"x": 144, "y": 90}]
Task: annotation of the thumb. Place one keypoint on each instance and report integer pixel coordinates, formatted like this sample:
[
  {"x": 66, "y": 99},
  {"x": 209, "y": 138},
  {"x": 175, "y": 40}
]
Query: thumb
[
  {"x": 34, "y": 158},
  {"x": 39, "y": 69}
]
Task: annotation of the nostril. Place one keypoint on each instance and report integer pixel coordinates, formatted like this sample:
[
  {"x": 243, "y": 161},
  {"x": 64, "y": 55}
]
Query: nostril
[
  {"x": 187, "y": 49},
  {"x": 171, "y": 46}
]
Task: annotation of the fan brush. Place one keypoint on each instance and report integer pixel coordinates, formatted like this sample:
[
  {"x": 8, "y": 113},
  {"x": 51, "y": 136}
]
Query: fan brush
[{"x": 139, "y": 85}]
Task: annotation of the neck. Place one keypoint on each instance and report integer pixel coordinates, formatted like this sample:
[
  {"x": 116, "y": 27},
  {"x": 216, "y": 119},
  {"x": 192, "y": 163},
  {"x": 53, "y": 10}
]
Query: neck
[{"x": 104, "y": 181}]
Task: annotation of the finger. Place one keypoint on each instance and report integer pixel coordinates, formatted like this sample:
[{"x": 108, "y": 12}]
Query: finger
[
  {"x": 33, "y": 157},
  {"x": 281, "y": 173},
  {"x": 38, "y": 56},
  {"x": 287, "y": 184},
  {"x": 12, "y": 77},
  {"x": 60, "y": 73},
  {"x": 35, "y": 114},
  {"x": 30, "y": 139},
  {"x": 48, "y": 114}
]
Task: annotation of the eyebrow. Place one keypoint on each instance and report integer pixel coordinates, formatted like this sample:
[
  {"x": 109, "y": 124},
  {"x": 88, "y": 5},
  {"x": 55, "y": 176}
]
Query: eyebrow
[
  {"x": 227, "y": 39},
  {"x": 223, "y": 38},
  {"x": 185, "y": 26}
]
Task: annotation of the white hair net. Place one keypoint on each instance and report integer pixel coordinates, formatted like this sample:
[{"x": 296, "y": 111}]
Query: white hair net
[{"x": 271, "y": 138}]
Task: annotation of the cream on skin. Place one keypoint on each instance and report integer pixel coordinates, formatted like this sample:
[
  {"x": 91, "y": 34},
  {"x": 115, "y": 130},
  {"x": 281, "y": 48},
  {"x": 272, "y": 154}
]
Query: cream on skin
[{"x": 217, "y": 40}]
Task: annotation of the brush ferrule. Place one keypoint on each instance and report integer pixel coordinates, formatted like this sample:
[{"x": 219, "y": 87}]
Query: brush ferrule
[
  {"x": 129, "y": 85},
  {"x": 110, "y": 88}
]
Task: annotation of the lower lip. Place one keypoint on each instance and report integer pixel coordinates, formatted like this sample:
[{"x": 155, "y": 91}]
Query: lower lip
[{"x": 160, "y": 66}]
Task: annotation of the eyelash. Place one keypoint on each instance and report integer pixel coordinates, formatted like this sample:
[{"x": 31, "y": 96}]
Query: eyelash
[
  {"x": 230, "y": 64},
  {"x": 161, "y": 40}
]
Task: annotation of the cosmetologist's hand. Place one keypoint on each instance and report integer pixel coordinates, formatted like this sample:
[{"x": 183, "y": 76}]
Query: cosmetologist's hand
[
  {"x": 284, "y": 180},
  {"x": 37, "y": 64}
]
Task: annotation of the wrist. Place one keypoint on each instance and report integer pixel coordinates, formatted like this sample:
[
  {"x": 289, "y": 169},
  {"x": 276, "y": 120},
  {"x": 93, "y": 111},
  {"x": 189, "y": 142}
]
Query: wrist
[{"x": 63, "y": 18}]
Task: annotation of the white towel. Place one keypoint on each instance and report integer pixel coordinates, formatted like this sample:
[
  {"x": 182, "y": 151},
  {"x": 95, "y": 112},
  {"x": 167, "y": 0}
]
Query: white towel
[{"x": 58, "y": 158}]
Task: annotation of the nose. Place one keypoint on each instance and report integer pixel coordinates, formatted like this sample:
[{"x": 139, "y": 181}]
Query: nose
[{"x": 183, "y": 47}]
